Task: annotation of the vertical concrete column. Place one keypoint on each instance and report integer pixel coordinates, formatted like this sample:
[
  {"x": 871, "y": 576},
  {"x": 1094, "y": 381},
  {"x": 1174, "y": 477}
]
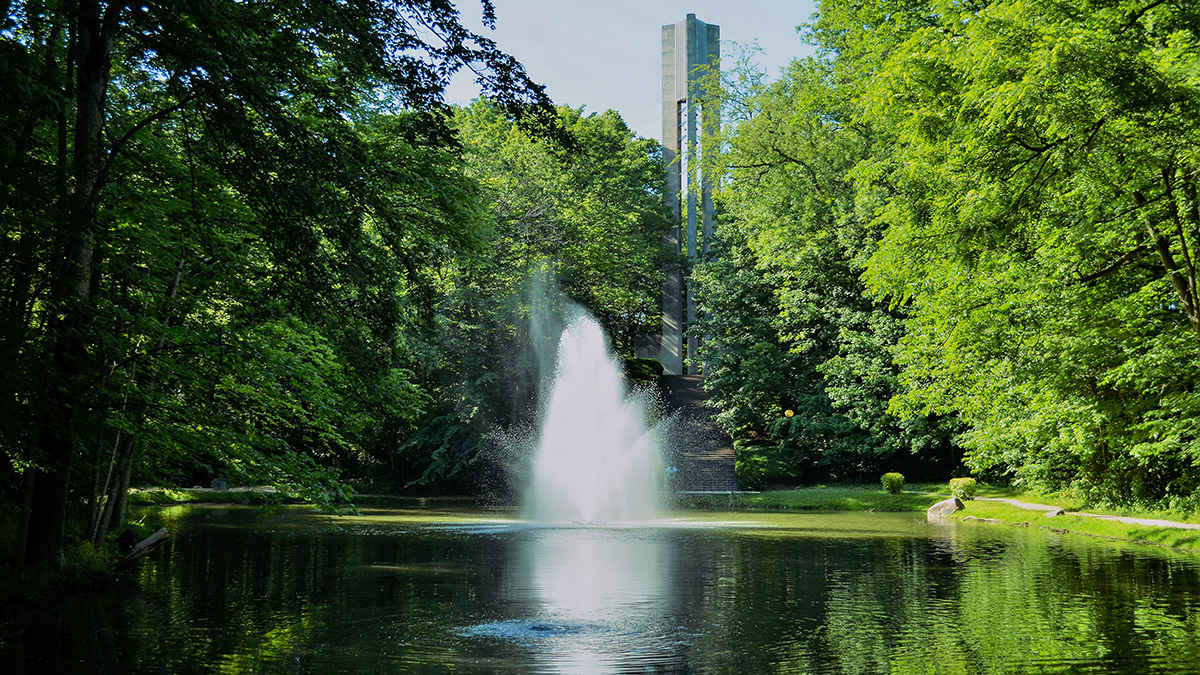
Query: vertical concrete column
[
  {"x": 688, "y": 46},
  {"x": 670, "y": 349}
]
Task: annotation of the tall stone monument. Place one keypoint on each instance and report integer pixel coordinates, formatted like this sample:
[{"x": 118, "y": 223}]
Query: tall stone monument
[{"x": 690, "y": 49}]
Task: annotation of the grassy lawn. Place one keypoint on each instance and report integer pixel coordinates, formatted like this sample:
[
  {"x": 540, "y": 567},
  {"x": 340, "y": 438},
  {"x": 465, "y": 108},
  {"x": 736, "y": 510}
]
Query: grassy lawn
[
  {"x": 919, "y": 497},
  {"x": 168, "y": 496},
  {"x": 1062, "y": 500},
  {"x": 1188, "y": 540},
  {"x": 1070, "y": 502},
  {"x": 821, "y": 498},
  {"x": 914, "y": 498}
]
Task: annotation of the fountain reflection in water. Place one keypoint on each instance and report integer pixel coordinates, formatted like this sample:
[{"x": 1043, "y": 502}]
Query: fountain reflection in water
[
  {"x": 596, "y": 461},
  {"x": 611, "y": 584}
]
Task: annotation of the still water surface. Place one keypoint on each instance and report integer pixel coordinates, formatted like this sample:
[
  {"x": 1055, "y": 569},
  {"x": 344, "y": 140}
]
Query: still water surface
[{"x": 477, "y": 592}]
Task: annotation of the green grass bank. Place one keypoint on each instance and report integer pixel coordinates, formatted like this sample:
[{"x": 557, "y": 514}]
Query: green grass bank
[
  {"x": 978, "y": 512},
  {"x": 1001, "y": 513},
  {"x": 916, "y": 497}
]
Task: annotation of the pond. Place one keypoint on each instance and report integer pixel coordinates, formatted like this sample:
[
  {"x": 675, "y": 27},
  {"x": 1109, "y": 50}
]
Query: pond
[{"x": 432, "y": 591}]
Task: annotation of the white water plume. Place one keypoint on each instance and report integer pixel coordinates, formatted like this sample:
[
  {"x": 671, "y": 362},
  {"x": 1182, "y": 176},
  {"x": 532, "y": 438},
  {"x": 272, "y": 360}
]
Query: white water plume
[{"x": 596, "y": 461}]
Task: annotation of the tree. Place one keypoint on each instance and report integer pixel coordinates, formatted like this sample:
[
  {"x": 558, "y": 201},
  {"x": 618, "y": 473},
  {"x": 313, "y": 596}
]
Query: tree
[
  {"x": 786, "y": 320},
  {"x": 260, "y": 113},
  {"x": 586, "y": 217},
  {"x": 1041, "y": 239}
]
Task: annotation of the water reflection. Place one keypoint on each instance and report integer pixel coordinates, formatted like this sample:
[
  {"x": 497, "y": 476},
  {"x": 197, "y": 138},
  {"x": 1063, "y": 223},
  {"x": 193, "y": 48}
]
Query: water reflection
[
  {"x": 595, "y": 574},
  {"x": 853, "y": 594},
  {"x": 603, "y": 589}
]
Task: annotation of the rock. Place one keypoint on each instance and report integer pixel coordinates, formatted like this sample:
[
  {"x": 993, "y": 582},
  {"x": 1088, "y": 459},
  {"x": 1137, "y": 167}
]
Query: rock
[
  {"x": 944, "y": 508},
  {"x": 1055, "y": 512},
  {"x": 220, "y": 485}
]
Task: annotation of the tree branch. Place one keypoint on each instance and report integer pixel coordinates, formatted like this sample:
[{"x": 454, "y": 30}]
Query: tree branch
[
  {"x": 1162, "y": 245},
  {"x": 1039, "y": 149},
  {"x": 1114, "y": 266},
  {"x": 1136, "y": 16},
  {"x": 812, "y": 174},
  {"x": 1173, "y": 210},
  {"x": 119, "y": 144}
]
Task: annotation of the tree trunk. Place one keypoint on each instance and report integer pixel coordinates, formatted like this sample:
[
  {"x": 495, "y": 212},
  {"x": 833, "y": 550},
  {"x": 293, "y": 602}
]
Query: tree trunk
[
  {"x": 119, "y": 497},
  {"x": 112, "y": 517},
  {"x": 26, "y": 509},
  {"x": 1179, "y": 276},
  {"x": 71, "y": 289},
  {"x": 96, "y": 499},
  {"x": 97, "y": 526}
]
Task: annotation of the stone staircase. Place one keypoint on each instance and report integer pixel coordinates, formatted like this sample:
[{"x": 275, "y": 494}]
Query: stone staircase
[{"x": 699, "y": 449}]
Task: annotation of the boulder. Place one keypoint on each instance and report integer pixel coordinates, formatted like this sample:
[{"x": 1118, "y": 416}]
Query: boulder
[
  {"x": 220, "y": 485},
  {"x": 944, "y": 508}
]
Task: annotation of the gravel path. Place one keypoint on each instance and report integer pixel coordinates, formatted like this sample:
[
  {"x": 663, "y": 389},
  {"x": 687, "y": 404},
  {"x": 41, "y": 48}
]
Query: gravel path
[{"x": 1148, "y": 522}]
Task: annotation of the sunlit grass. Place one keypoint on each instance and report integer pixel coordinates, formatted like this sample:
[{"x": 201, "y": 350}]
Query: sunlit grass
[
  {"x": 1188, "y": 540},
  {"x": 819, "y": 498},
  {"x": 169, "y": 496},
  {"x": 1071, "y": 502},
  {"x": 1062, "y": 500},
  {"x": 919, "y": 497},
  {"x": 426, "y": 516},
  {"x": 916, "y": 498}
]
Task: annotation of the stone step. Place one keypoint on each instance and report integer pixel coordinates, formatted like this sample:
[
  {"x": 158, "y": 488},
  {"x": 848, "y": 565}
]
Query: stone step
[{"x": 703, "y": 454}]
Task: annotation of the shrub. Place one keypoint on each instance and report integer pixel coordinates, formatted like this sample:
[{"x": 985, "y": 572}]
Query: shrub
[
  {"x": 963, "y": 488},
  {"x": 760, "y": 465},
  {"x": 893, "y": 482},
  {"x": 645, "y": 370},
  {"x": 87, "y": 564}
]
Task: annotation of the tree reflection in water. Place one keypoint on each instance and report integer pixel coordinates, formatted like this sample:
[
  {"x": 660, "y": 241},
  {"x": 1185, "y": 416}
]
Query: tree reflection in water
[{"x": 844, "y": 594}]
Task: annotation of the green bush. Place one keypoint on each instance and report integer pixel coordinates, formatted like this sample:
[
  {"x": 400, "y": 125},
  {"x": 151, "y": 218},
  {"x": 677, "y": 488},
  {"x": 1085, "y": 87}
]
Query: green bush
[
  {"x": 893, "y": 482},
  {"x": 646, "y": 370},
  {"x": 759, "y": 465},
  {"x": 86, "y": 562},
  {"x": 963, "y": 488}
]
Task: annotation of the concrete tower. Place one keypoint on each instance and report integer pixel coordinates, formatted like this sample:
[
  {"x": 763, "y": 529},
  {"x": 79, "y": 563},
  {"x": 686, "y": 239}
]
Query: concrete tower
[{"x": 690, "y": 48}]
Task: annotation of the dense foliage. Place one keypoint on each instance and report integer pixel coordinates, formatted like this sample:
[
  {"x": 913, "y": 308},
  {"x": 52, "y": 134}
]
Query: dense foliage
[
  {"x": 588, "y": 221},
  {"x": 243, "y": 240},
  {"x": 248, "y": 240},
  {"x": 1015, "y": 184},
  {"x": 799, "y": 358}
]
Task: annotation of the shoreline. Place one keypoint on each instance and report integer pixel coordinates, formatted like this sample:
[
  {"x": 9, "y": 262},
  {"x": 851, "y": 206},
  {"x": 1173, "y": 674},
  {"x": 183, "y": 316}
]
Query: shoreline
[
  {"x": 1177, "y": 535},
  {"x": 990, "y": 508}
]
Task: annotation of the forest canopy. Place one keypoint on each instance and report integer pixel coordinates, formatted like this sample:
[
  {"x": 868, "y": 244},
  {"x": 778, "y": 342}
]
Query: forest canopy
[{"x": 972, "y": 223}]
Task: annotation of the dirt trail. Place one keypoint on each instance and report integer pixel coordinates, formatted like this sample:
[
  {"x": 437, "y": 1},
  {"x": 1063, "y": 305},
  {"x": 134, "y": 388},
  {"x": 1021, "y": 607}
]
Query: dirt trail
[{"x": 1148, "y": 522}]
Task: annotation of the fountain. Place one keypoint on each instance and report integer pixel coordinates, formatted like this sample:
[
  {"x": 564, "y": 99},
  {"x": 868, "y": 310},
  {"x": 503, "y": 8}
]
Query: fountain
[{"x": 595, "y": 461}]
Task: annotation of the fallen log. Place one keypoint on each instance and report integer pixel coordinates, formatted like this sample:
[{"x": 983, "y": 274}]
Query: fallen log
[{"x": 143, "y": 547}]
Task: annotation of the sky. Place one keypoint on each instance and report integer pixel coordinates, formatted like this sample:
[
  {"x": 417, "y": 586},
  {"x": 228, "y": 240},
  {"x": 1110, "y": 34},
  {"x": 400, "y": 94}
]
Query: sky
[{"x": 604, "y": 54}]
